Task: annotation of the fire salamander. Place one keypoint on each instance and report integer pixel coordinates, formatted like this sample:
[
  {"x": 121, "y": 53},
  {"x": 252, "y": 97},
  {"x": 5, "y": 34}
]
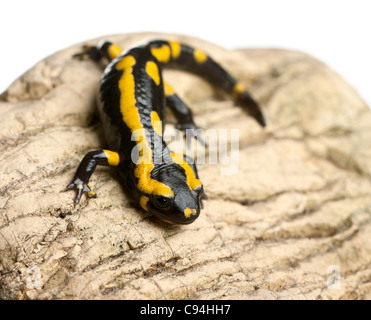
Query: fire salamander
[{"x": 132, "y": 100}]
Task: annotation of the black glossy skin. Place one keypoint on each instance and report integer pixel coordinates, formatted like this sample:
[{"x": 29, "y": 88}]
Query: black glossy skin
[
  {"x": 167, "y": 186},
  {"x": 149, "y": 97}
]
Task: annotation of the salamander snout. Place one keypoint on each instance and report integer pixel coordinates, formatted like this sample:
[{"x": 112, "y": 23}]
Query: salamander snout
[{"x": 184, "y": 208}]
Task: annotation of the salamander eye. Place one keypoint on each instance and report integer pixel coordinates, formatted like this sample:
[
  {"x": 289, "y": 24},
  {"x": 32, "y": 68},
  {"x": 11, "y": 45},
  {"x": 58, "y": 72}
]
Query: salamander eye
[{"x": 162, "y": 202}]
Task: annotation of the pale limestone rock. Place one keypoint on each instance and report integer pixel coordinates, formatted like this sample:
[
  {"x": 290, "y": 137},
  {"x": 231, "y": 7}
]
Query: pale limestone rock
[{"x": 300, "y": 203}]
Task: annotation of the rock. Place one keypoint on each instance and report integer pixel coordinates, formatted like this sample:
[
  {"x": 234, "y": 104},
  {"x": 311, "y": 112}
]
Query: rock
[{"x": 296, "y": 216}]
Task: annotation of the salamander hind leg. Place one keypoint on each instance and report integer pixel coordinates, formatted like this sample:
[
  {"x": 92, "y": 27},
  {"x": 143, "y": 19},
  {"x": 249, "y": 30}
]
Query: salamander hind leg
[{"x": 80, "y": 181}]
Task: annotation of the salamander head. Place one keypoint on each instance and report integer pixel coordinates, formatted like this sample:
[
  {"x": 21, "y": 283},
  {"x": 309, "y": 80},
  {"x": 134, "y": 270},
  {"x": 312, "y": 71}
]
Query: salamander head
[
  {"x": 171, "y": 192},
  {"x": 182, "y": 209},
  {"x": 183, "y": 204}
]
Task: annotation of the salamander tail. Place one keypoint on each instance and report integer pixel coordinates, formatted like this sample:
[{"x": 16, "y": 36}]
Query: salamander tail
[{"x": 251, "y": 106}]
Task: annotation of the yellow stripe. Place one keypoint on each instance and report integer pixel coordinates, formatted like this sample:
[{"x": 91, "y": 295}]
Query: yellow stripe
[
  {"x": 114, "y": 51},
  {"x": 131, "y": 117},
  {"x": 156, "y": 123},
  {"x": 199, "y": 56},
  {"x": 113, "y": 158},
  {"x": 152, "y": 71},
  {"x": 148, "y": 185},
  {"x": 162, "y": 53},
  {"x": 192, "y": 181}
]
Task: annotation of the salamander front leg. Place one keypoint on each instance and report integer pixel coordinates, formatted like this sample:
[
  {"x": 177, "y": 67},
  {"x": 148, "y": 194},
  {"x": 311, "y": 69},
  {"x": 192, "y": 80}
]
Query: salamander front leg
[
  {"x": 183, "y": 115},
  {"x": 86, "y": 168}
]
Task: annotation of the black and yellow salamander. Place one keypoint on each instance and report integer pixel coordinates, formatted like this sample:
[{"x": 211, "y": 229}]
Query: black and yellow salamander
[{"x": 132, "y": 100}]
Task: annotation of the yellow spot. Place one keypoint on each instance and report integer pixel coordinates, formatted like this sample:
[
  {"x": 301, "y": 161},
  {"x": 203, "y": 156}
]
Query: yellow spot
[
  {"x": 131, "y": 117},
  {"x": 143, "y": 202},
  {"x": 169, "y": 91},
  {"x": 175, "y": 49},
  {"x": 114, "y": 51},
  {"x": 113, "y": 158},
  {"x": 192, "y": 182},
  {"x": 152, "y": 71},
  {"x": 199, "y": 56},
  {"x": 162, "y": 53},
  {"x": 188, "y": 212},
  {"x": 156, "y": 123},
  {"x": 79, "y": 186},
  {"x": 238, "y": 89},
  {"x": 126, "y": 63},
  {"x": 91, "y": 194}
]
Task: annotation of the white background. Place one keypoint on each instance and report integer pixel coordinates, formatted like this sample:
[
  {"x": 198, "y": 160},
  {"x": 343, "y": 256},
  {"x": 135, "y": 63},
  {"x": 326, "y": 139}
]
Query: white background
[{"x": 338, "y": 32}]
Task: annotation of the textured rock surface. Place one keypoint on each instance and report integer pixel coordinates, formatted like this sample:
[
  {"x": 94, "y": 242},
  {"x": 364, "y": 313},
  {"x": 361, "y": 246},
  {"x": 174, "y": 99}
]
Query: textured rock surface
[{"x": 300, "y": 203}]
